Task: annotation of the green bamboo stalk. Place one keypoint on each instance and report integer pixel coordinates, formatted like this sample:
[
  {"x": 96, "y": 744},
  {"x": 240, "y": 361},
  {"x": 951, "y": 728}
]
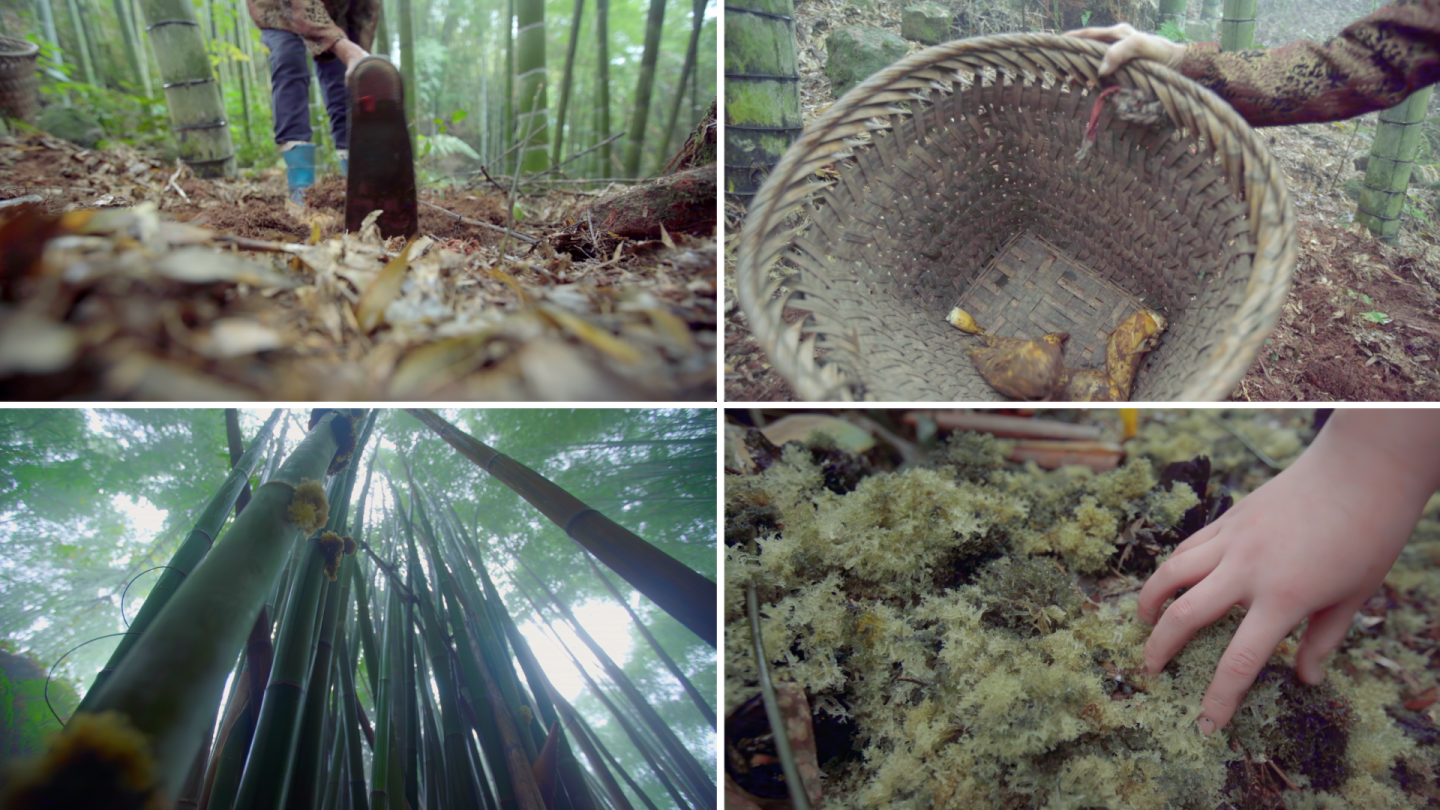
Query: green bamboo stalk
[
  {"x": 570, "y": 772},
  {"x": 437, "y": 792},
  {"x": 690, "y": 55},
  {"x": 170, "y": 683},
  {"x": 47, "y": 23},
  {"x": 268, "y": 769},
  {"x": 191, "y": 552},
  {"x": 677, "y": 589},
  {"x": 474, "y": 691},
  {"x": 334, "y": 785},
  {"x": 1392, "y": 157},
  {"x": 1173, "y": 11},
  {"x": 387, "y": 787},
  {"x": 508, "y": 119},
  {"x": 565, "y": 81},
  {"x": 143, "y": 58},
  {"x": 407, "y": 65},
  {"x": 695, "y": 697},
  {"x": 305, "y": 761},
  {"x": 243, "y": 75},
  {"x": 237, "y": 731},
  {"x": 222, "y": 77},
  {"x": 411, "y": 728},
  {"x": 597, "y": 763},
  {"x": 459, "y": 788},
  {"x": 580, "y": 723},
  {"x": 82, "y": 45},
  {"x": 763, "y": 115},
  {"x": 350, "y": 722},
  {"x": 640, "y": 741},
  {"x": 1237, "y": 26},
  {"x": 636, "y": 131},
  {"x": 532, "y": 124},
  {"x": 382, "y": 33},
  {"x": 196, "y": 106},
  {"x": 698, "y": 783}
]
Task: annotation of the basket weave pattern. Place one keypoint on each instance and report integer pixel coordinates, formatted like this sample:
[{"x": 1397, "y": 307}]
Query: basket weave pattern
[
  {"x": 18, "y": 81},
  {"x": 972, "y": 143}
]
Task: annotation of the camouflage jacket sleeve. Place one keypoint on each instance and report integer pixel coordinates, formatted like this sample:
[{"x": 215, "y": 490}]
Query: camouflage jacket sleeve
[
  {"x": 321, "y": 23},
  {"x": 1373, "y": 64}
]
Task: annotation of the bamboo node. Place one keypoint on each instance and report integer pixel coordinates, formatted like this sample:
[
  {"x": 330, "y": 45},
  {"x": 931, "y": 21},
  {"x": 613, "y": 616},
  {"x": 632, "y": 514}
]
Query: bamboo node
[
  {"x": 99, "y": 760},
  {"x": 309, "y": 510}
]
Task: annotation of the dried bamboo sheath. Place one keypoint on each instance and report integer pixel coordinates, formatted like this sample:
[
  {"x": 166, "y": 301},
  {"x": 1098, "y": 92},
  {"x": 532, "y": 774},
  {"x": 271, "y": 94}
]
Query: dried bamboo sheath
[{"x": 946, "y": 155}]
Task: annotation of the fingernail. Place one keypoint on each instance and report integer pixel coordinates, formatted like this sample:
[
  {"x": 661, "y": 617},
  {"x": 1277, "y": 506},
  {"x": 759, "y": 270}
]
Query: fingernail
[{"x": 1207, "y": 726}]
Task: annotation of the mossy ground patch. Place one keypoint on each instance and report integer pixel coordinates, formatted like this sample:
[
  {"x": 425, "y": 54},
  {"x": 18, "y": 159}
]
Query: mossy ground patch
[{"x": 1016, "y": 681}]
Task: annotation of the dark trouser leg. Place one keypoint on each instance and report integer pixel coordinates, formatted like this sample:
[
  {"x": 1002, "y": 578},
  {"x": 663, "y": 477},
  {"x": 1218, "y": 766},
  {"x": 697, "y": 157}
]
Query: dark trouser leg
[
  {"x": 290, "y": 84},
  {"x": 332, "y": 85}
]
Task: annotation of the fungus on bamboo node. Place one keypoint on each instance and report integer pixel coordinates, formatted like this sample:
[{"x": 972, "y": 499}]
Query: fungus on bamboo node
[
  {"x": 346, "y": 427},
  {"x": 332, "y": 545},
  {"x": 99, "y": 760},
  {"x": 349, "y": 545},
  {"x": 309, "y": 510}
]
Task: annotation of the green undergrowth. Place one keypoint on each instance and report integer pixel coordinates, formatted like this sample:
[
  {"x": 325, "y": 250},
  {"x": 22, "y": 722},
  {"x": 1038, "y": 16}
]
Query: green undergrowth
[{"x": 966, "y": 618}]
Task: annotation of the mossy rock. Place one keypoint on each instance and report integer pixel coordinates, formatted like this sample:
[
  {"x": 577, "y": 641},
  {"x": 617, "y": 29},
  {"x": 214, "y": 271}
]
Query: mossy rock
[
  {"x": 1200, "y": 31},
  {"x": 72, "y": 125},
  {"x": 857, "y": 52},
  {"x": 926, "y": 22},
  {"x": 169, "y": 150}
]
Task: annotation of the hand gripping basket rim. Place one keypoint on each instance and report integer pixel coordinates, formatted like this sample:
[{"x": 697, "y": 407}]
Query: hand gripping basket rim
[{"x": 1245, "y": 161}]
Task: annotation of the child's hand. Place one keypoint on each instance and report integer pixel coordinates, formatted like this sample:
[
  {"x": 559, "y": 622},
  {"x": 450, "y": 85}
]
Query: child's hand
[
  {"x": 1316, "y": 541},
  {"x": 1131, "y": 44}
]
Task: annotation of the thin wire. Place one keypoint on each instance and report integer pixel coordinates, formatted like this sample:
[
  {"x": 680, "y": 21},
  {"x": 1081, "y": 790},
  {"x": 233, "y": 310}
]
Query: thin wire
[
  {"x": 62, "y": 658},
  {"x": 132, "y": 582},
  {"x": 1260, "y": 454},
  {"x": 793, "y": 784}
]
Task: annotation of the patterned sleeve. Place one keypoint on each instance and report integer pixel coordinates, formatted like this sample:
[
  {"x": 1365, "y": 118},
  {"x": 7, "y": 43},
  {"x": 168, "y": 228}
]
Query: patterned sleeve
[
  {"x": 311, "y": 20},
  {"x": 1373, "y": 64}
]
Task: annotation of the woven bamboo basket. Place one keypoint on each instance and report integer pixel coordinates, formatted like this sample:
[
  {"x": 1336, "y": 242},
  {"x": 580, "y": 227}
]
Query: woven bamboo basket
[
  {"x": 18, "y": 82},
  {"x": 951, "y": 178}
]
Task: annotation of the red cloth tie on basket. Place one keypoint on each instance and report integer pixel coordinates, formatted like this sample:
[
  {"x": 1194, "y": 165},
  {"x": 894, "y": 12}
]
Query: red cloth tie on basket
[{"x": 1094, "y": 126}]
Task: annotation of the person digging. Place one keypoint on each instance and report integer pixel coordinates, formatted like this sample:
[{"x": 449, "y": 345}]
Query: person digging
[{"x": 337, "y": 34}]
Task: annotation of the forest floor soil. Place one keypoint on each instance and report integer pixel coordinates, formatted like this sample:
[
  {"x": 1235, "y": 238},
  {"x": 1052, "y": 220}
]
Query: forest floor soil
[
  {"x": 94, "y": 303},
  {"x": 1362, "y": 320}
]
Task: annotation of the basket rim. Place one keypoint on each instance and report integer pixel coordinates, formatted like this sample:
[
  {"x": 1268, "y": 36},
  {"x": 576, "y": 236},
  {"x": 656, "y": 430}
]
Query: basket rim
[
  {"x": 14, "y": 46},
  {"x": 1247, "y": 164}
]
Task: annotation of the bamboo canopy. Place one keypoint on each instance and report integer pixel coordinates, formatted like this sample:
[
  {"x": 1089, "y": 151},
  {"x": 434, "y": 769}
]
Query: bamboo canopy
[
  {"x": 456, "y": 709},
  {"x": 678, "y": 590}
]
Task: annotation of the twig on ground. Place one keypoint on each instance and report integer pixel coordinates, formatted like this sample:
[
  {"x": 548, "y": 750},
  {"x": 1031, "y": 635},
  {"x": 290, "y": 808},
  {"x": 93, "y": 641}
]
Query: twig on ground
[
  {"x": 176, "y": 186},
  {"x": 469, "y": 221}
]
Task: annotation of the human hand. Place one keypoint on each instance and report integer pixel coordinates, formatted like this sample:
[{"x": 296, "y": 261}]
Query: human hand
[
  {"x": 1131, "y": 44},
  {"x": 1316, "y": 541},
  {"x": 349, "y": 53}
]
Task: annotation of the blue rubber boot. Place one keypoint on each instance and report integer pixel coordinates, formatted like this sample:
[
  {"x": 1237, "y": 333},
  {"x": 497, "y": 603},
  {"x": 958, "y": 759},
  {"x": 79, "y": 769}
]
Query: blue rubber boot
[
  {"x": 344, "y": 155},
  {"x": 300, "y": 170}
]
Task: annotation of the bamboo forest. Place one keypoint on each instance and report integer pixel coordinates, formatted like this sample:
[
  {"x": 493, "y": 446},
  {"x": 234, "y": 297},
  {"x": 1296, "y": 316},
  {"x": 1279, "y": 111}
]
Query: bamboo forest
[
  {"x": 348, "y": 609},
  {"x": 630, "y": 77},
  {"x": 360, "y": 200}
]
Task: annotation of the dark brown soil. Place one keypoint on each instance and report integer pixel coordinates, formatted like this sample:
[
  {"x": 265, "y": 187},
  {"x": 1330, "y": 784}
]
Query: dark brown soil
[{"x": 106, "y": 317}]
